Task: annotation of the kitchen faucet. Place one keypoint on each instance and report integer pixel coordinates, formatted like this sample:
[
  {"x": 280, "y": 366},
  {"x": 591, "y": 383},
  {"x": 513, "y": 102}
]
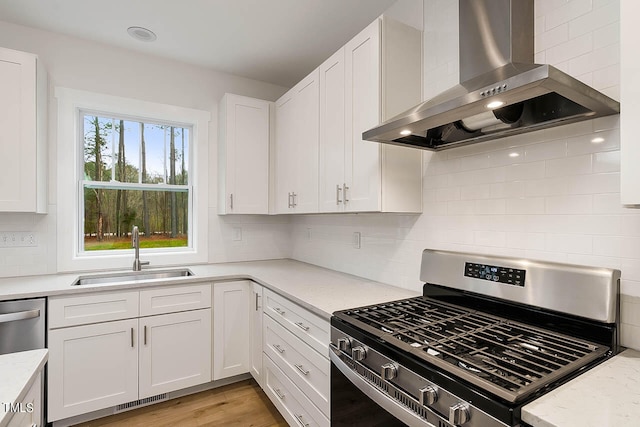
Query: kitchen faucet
[{"x": 135, "y": 243}]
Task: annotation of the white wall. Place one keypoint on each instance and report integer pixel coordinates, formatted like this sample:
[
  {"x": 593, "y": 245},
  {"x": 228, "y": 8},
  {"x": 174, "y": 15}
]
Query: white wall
[
  {"x": 90, "y": 66},
  {"x": 558, "y": 200}
]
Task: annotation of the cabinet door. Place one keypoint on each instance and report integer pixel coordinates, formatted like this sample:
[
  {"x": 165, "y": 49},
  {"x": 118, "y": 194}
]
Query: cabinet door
[
  {"x": 231, "y": 328},
  {"x": 18, "y": 136},
  {"x": 332, "y": 133},
  {"x": 362, "y": 158},
  {"x": 92, "y": 367},
  {"x": 256, "y": 332},
  {"x": 285, "y": 154},
  {"x": 175, "y": 351},
  {"x": 245, "y": 150},
  {"x": 306, "y": 144}
]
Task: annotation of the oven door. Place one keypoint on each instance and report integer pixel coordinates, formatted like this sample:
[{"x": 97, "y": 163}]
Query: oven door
[{"x": 356, "y": 402}]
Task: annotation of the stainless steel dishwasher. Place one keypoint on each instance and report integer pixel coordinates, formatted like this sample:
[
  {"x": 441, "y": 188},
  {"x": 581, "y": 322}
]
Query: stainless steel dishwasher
[{"x": 22, "y": 325}]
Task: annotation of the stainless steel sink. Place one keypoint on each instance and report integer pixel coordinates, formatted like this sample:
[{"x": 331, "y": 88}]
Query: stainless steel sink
[{"x": 134, "y": 276}]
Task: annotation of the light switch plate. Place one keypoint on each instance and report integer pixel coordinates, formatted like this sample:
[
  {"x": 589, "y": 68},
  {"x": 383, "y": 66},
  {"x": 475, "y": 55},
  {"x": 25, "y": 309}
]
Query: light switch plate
[{"x": 357, "y": 239}]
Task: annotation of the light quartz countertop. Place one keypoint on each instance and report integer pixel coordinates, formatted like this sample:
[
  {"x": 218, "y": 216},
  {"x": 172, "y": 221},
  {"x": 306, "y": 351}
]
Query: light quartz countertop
[
  {"x": 17, "y": 373},
  {"x": 317, "y": 289},
  {"x": 606, "y": 396}
]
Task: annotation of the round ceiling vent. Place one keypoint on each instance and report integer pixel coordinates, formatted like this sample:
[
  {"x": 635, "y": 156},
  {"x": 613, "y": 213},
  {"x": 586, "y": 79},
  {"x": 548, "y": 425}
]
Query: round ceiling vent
[{"x": 142, "y": 34}]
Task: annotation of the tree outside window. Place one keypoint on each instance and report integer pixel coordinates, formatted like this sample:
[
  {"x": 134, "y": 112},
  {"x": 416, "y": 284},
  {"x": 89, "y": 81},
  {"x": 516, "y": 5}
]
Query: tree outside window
[{"x": 135, "y": 173}]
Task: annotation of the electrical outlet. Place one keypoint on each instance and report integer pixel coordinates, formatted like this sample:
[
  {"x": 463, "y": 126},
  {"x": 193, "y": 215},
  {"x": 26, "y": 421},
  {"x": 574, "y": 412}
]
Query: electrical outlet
[
  {"x": 357, "y": 239},
  {"x": 10, "y": 239},
  {"x": 237, "y": 234}
]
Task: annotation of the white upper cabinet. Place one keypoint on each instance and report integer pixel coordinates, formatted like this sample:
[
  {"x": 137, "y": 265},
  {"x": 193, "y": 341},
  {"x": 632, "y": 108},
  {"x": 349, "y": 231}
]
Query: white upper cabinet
[
  {"x": 243, "y": 155},
  {"x": 296, "y": 189},
  {"x": 630, "y": 103},
  {"x": 373, "y": 77},
  {"x": 332, "y": 133},
  {"x": 23, "y": 120}
]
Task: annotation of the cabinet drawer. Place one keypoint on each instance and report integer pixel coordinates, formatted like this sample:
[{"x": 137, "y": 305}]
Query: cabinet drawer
[
  {"x": 308, "y": 370},
  {"x": 175, "y": 298},
  {"x": 93, "y": 308},
  {"x": 305, "y": 325},
  {"x": 294, "y": 406}
]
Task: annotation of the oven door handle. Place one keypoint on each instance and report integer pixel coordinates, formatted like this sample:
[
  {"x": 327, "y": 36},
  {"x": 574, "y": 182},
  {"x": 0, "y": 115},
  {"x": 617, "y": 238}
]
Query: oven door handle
[{"x": 376, "y": 395}]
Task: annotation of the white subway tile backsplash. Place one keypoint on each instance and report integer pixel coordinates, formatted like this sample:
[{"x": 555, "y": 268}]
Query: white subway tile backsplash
[
  {"x": 570, "y": 49},
  {"x": 606, "y": 140},
  {"x": 490, "y": 207},
  {"x": 552, "y": 37},
  {"x": 528, "y": 205},
  {"x": 595, "y": 183},
  {"x": 525, "y": 171},
  {"x": 545, "y": 151},
  {"x": 578, "y": 165},
  {"x": 524, "y": 240},
  {"x": 573, "y": 204},
  {"x": 474, "y": 192},
  {"x": 606, "y": 162},
  {"x": 617, "y": 246},
  {"x": 607, "y": 36},
  {"x": 593, "y": 20},
  {"x": 569, "y": 243},
  {"x": 547, "y": 187}
]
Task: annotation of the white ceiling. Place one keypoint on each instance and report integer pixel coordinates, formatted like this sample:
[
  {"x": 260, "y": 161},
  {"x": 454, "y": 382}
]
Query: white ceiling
[{"x": 276, "y": 41}]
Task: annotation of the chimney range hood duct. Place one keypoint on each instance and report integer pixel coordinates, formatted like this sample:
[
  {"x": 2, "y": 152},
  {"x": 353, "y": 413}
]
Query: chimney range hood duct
[{"x": 502, "y": 92}]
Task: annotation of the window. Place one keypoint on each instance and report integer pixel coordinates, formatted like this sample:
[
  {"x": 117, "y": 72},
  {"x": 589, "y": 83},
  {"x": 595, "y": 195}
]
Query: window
[
  {"x": 136, "y": 173},
  {"x": 161, "y": 185}
]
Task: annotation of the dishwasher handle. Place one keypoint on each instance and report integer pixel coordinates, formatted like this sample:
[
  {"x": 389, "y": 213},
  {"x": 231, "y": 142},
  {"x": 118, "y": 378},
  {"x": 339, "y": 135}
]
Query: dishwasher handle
[{"x": 19, "y": 315}]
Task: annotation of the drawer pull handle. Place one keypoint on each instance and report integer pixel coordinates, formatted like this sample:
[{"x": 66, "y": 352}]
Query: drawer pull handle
[
  {"x": 302, "y": 326},
  {"x": 277, "y": 347},
  {"x": 301, "y": 369},
  {"x": 145, "y": 334},
  {"x": 279, "y": 393},
  {"x": 301, "y": 421},
  {"x": 131, "y": 337},
  {"x": 279, "y": 311}
]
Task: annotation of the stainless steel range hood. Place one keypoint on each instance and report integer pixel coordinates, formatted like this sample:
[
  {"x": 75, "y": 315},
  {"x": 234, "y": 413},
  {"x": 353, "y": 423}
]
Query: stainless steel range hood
[{"x": 502, "y": 92}]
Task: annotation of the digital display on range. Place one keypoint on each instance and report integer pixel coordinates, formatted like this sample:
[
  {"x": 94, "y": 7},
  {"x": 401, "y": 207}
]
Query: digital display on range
[{"x": 494, "y": 273}]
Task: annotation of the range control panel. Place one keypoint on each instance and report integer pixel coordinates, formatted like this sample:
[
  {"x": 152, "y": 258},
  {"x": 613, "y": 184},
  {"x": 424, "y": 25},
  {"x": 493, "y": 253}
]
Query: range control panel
[{"x": 494, "y": 273}]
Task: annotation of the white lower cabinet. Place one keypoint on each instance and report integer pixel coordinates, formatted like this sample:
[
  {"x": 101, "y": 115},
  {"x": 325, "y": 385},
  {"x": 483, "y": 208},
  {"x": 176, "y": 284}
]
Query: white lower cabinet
[
  {"x": 296, "y": 364},
  {"x": 293, "y": 405},
  {"x": 32, "y": 400},
  {"x": 175, "y": 352},
  {"x": 306, "y": 368},
  {"x": 92, "y": 367},
  {"x": 100, "y": 365},
  {"x": 255, "y": 333},
  {"x": 231, "y": 328}
]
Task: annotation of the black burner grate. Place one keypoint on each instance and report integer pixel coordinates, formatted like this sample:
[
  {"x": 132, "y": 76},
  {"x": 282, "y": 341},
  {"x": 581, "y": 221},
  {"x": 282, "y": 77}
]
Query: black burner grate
[{"x": 508, "y": 358}]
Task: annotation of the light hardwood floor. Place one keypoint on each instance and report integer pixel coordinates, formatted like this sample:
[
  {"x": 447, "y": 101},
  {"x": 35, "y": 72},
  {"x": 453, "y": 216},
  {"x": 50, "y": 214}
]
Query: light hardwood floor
[{"x": 240, "y": 404}]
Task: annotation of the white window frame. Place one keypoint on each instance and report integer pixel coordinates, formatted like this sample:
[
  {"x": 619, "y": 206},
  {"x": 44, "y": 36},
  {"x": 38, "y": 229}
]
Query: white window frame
[{"x": 70, "y": 168}]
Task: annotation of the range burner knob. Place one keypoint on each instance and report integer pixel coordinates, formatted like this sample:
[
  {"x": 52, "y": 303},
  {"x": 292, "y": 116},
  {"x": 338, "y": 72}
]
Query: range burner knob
[
  {"x": 358, "y": 353},
  {"x": 459, "y": 414},
  {"x": 344, "y": 344},
  {"x": 428, "y": 395},
  {"x": 389, "y": 371}
]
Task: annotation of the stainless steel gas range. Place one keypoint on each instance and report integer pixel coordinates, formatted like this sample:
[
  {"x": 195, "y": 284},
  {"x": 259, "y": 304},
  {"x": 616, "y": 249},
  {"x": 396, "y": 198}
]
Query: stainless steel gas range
[{"x": 489, "y": 335}]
